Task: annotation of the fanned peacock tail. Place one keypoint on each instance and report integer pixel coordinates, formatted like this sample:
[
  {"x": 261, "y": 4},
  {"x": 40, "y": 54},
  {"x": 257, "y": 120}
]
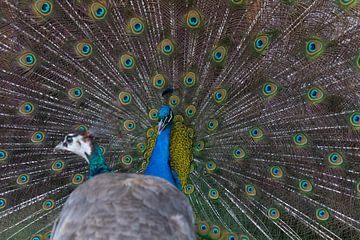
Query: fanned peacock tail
[{"x": 266, "y": 144}]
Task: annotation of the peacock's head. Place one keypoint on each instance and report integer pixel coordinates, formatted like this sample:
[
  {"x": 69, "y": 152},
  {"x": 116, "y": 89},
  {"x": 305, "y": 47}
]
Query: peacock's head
[
  {"x": 165, "y": 117},
  {"x": 79, "y": 143}
]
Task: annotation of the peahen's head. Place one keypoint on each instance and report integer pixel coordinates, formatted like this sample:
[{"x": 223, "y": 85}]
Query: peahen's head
[
  {"x": 79, "y": 143},
  {"x": 165, "y": 117}
]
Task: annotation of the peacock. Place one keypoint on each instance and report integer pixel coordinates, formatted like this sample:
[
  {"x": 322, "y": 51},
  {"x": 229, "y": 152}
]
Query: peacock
[{"x": 250, "y": 108}]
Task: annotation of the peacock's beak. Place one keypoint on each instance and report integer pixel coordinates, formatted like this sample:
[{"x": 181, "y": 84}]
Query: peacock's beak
[{"x": 161, "y": 126}]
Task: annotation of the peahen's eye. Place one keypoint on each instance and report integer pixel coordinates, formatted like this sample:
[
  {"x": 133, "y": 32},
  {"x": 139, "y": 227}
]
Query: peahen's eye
[{"x": 69, "y": 139}]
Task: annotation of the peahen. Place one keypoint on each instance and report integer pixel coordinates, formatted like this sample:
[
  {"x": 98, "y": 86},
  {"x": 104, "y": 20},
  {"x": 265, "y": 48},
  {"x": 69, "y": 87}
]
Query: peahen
[{"x": 265, "y": 134}]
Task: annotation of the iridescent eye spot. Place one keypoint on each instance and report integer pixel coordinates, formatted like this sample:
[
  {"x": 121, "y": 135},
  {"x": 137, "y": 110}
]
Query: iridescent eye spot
[
  {"x": 193, "y": 19},
  {"x": 22, "y": 179},
  {"x": 150, "y": 132},
  {"x": 174, "y": 101},
  {"x": 84, "y": 49},
  {"x": 36, "y": 237},
  {"x": 211, "y": 166},
  {"x": 27, "y": 60},
  {"x": 276, "y": 172},
  {"x": 256, "y": 133},
  {"x": 322, "y": 214},
  {"x": 141, "y": 147},
  {"x": 355, "y": 120},
  {"x": 335, "y": 159},
  {"x": 167, "y": 47},
  {"x": 239, "y": 153},
  {"x": 300, "y": 139},
  {"x": 190, "y": 111},
  {"x": 189, "y": 189},
  {"x": 129, "y": 125},
  {"x": 273, "y": 213},
  {"x": 357, "y": 62},
  {"x": 38, "y": 137},
  {"x": 2, "y": 203},
  {"x": 305, "y": 186},
  {"x": 158, "y": 81},
  {"x": 77, "y": 179},
  {"x": 75, "y": 93},
  {"x": 250, "y": 190},
  {"x": 244, "y": 237},
  {"x": 212, "y": 124},
  {"x": 261, "y": 44},
  {"x": 219, "y": 54},
  {"x": 231, "y": 236},
  {"x": 315, "y": 95},
  {"x": 57, "y": 166},
  {"x": 236, "y": 2},
  {"x": 215, "y": 232},
  {"x": 127, "y": 159},
  {"x": 136, "y": 26},
  {"x": 48, "y": 235},
  {"x": 347, "y": 3},
  {"x": 127, "y": 61},
  {"x": 26, "y": 108},
  {"x": 314, "y": 48},
  {"x": 3, "y": 155},
  {"x": 98, "y": 11},
  {"x": 48, "y": 204},
  {"x": 219, "y": 95},
  {"x": 153, "y": 114},
  {"x": 269, "y": 89},
  {"x": 82, "y": 128},
  {"x": 202, "y": 228},
  {"x": 125, "y": 98},
  {"x": 213, "y": 194},
  {"x": 189, "y": 79},
  {"x": 199, "y": 146},
  {"x": 42, "y": 7}
]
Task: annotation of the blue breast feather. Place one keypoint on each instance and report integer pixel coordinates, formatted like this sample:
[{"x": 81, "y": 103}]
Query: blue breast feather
[{"x": 159, "y": 163}]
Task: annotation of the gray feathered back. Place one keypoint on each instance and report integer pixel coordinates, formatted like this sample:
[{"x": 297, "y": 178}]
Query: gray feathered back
[{"x": 125, "y": 206}]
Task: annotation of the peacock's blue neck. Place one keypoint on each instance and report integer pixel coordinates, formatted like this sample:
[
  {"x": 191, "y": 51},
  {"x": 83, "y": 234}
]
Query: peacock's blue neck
[
  {"x": 97, "y": 163},
  {"x": 159, "y": 163}
]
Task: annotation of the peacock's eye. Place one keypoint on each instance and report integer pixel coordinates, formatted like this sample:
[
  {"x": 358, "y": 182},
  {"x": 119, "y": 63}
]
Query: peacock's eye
[{"x": 69, "y": 139}]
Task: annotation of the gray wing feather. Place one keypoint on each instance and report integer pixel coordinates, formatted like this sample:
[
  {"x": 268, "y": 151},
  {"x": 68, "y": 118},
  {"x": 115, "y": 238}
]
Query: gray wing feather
[{"x": 125, "y": 206}]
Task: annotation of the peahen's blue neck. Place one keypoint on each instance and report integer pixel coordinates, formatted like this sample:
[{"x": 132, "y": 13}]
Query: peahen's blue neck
[
  {"x": 97, "y": 164},
  {"x": 159, "y": 163}
]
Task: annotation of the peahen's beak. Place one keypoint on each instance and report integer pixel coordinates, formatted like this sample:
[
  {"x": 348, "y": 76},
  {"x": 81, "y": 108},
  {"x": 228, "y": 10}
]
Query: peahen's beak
[{"x": 59, "y": 147}]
